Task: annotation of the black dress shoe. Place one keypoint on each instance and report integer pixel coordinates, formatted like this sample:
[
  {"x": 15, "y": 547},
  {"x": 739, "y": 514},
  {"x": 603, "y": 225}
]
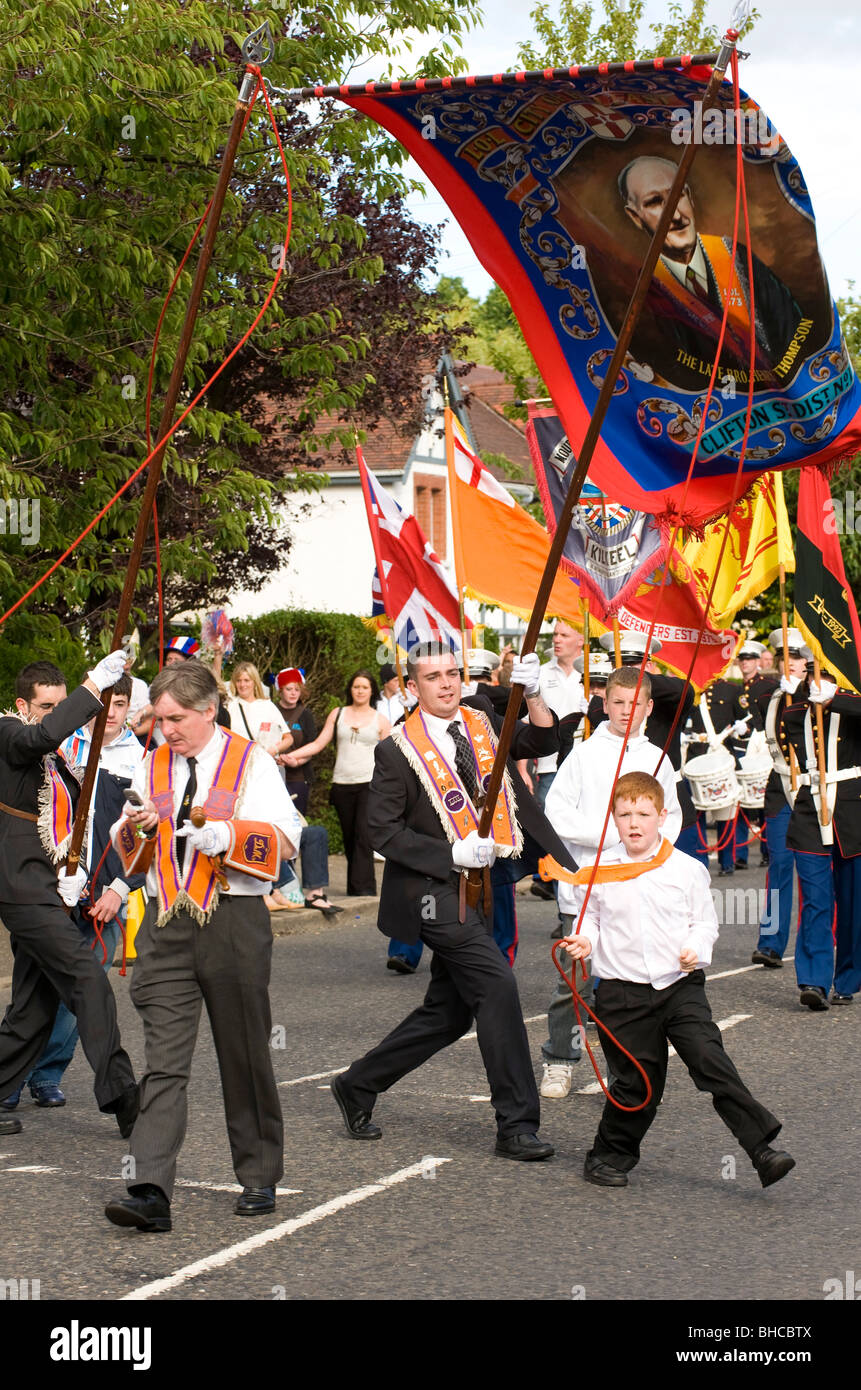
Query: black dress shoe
[
  {"x": 10, "y": 1124},
  {"x": 401, "y": 965},
  {"x": 126, "y": 1110},
  {"x": 813, "y": 997},
  {"x": 602, "y": 1174},
  {"x": 771, "y": 1164},
  {"x": 524, "y": 1147},
  {"x": 770, "y": 959},
  {"x": 11, "y": 1102},
  {"x": 147, "y": 1209},
  {"x": 741, "y": 863},
  {"x": 255, "y": 1201},
  {"x": 48, "y": 1095},
  {"x": 841, "y": 998},
  {"x": 543, "y": 890},
  {"x": 725, "y": 873},
  {"x": 359, "y": 1123}
]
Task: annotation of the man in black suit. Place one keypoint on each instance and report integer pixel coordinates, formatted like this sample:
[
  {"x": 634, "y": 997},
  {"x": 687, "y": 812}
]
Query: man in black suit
[
  {"x": 419, "y": 820},
  {"x": 52, "y": 960}
]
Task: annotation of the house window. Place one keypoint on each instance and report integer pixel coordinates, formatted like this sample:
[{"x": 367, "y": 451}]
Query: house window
[{"x": 429, "y": 505}]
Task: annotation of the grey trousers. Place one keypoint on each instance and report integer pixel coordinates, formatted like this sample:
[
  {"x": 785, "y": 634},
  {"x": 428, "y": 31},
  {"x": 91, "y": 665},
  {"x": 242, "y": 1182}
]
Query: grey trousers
[
  {"x": 564, "y": 1043},
  {"x": 224, "y": 965}
]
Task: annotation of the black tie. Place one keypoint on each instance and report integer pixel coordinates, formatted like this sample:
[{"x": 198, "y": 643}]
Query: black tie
[
  {"x": 185, "y": 806},
  {"x": 464, "y": 761}
]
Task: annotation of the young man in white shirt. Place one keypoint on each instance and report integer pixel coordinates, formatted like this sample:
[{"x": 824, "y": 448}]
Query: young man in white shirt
[
  {"x": 576, "y": 807},
  {"x": 649, "y": 926}
]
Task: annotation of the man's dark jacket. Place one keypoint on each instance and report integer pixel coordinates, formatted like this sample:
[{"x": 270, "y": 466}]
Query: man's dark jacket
[
  {"x": 26, "y": 872},
  {"x": 406, "y": 829}
]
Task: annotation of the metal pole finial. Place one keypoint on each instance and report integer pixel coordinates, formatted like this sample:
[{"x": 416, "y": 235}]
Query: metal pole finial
[{"x": 259, "y": 47}]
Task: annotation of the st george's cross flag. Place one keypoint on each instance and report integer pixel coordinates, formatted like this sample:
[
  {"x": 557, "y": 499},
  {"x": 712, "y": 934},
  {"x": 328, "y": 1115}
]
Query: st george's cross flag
[
  {"x": 410, "y": 584},
  {"x": 555, "y": 178},
  {"x": 824, "y": 607}
]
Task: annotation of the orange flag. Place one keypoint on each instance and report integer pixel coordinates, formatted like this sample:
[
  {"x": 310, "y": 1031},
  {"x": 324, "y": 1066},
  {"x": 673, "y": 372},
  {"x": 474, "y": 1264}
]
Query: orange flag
[{"x": 499, "y": 550}]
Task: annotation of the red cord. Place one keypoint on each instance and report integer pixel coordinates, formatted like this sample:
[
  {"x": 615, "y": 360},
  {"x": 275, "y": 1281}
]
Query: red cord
[{"x": 579, "y": 1002}]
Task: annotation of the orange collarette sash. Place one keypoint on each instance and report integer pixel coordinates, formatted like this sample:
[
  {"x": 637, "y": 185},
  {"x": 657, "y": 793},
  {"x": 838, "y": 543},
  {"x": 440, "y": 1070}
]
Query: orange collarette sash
[
  {"x": 448, "y": 795},
  {"x": 56, "y": 812},
  {"x": 549, "y": 869},
  {"x": 194, "y": 889},
  {"x": 701, "y": 314}
]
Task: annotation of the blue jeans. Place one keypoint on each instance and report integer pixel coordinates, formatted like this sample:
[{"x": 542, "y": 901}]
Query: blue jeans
[
  {"x": 774, "y": 935},
  {"x": 314, "y": 855},
  {"x": 60, "y": 1047},
  {"x": 564, "y": 1041}
]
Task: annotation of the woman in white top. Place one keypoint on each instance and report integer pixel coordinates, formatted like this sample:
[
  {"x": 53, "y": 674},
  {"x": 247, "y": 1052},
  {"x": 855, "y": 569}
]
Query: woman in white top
[
  {"x": 254, "y": 716},
  {"x": 357, "y": 728}
]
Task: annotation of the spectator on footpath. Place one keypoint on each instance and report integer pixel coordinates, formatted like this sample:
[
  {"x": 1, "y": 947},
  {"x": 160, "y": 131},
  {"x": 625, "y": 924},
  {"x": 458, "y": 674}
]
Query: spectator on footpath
[
  {"x": 392, "y": 703},
  {"x": 253, "y": 715},
  {"x": 649, "y": 927},
  {"x": 576, "y": 807},
  {"x": 357, "y": 727},
  {"x": 103, "y": 902},
  {"x": 290, "y": 701},
  {"x": 53, "y": 963}
]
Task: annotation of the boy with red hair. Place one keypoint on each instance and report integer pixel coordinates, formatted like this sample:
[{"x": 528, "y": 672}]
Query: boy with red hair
[{"x": 649, "y": 926}]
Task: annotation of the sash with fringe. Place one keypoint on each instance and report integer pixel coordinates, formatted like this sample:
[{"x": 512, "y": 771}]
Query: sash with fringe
[
  {"x": 193, "y": 889},
  {"x": 55, "y": 809},
  {"x": 448, "y": 796}
]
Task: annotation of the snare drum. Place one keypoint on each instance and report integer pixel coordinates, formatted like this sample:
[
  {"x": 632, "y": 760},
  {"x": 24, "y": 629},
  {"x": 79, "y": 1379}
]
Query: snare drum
[{"x": 714, "y": 785}]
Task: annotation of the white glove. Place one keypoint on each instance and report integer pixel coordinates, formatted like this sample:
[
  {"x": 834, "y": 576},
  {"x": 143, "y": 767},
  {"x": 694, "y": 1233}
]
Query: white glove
[
  {"x": 823, "y": 692},
  {"x": 70, "y": 887},
  {"x": 740, "y": 728},
  {"x": 583, "y": 707},
  {"x": 108, "y": 671},
  {"x": 789, "y": 684},
  {"x": 211, "y": 838},
  {"x": 474, "y": 852},
  {"x": 526, "y": 672}
]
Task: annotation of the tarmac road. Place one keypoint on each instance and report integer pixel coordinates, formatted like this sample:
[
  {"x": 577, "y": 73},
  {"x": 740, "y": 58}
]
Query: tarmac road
[{"x": 430, "y": 1212}]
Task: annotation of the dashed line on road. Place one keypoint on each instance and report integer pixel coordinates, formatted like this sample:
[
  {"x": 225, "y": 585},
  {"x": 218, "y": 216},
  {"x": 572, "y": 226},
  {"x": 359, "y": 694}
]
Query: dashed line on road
[
  {"x": 743, "y": 970},
  {"x": 32, "y": 1168},
  {"x": 427, "y": 1167},
  {"x": 595, "y": 1088}
]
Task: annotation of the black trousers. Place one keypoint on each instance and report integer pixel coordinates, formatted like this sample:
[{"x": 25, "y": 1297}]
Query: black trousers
[
  {"x": 469, "y": 979},
  {"x": 350, "y": 801},
  {"x": 53, "y": 962},
  {"x": 224, "y": 965},
  {"x": 645, "y": 1020}
]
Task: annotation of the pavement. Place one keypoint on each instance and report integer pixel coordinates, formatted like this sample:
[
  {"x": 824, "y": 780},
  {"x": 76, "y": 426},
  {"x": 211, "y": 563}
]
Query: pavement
[{"x": 430, "y": 1212}]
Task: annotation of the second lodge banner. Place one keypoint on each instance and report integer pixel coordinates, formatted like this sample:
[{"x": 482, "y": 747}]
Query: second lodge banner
[{"x": 558, "y": 186}]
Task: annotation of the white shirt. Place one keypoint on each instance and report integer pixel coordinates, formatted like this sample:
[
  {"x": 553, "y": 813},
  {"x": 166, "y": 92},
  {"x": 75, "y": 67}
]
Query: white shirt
[
  {"x": 438, "y": 732},
  {"x": 392, "y": 706},
  {"x": 577, "y": 801},
  {"x": 697, "y": 264},
  {"x": 264, "y": 798},
  {"x": 563, "y": 694},
  {"x": 265, "y": 721},
  {"x": 639, "y": 928},
  {"x": 121, "y": 757}
]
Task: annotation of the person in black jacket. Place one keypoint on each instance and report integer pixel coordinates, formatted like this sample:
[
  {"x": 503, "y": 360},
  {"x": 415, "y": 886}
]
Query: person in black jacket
[
  {"x": 52, "y": 960},
  {"x": 422, "y": 817}
]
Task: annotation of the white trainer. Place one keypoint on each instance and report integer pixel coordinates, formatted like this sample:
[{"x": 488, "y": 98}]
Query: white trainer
[{"x": 556, "y": 1081}]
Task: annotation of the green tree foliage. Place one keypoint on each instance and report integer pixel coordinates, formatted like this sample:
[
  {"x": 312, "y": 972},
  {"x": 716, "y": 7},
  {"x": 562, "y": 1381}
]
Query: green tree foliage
[
  {"x": 114, "y": 118},
  {"x": 613, "y": 32}
]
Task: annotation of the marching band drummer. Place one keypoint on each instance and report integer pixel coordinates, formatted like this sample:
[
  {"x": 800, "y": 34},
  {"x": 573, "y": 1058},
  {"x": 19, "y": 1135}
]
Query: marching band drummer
[
  {"x": 779, "y": 797},
  {"x": 721, "y": 700},
  {"x": 827, "y": 857},
  {"x": 757, "y": 685}
]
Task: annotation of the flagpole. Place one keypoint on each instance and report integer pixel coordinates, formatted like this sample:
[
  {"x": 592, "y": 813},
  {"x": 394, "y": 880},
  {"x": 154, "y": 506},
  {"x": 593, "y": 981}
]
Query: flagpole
[
  {"x": 584, "y": 609},
  {"x": 824, "y": 813},
  {"x": 456, "y": 534},
  {"x": 373, "y": 526},
  {"x": 611, "y": 376},
  {"x": 784, "y": 623},
  {"x": 253, "y": 51}
]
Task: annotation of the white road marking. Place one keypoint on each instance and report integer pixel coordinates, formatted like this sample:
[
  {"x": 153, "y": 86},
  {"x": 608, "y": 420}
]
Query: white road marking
[
  {"x": 32, "y": 1168},
  {"x": 313, "y": 1076},
  {"x": 744, "y": 969},
  {"x": 286, "y": 1228},
  {"x": 595, "y": 1089}
]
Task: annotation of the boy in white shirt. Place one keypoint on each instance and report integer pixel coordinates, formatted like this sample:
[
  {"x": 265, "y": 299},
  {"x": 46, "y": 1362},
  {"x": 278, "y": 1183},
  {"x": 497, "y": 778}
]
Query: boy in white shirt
[
  {"x": 576, "y": 806},
  {"x": 649, "y": 926}
]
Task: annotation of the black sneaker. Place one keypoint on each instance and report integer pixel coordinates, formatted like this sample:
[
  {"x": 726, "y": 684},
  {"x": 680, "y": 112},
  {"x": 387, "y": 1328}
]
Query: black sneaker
[{"x": 770, "y": 959}]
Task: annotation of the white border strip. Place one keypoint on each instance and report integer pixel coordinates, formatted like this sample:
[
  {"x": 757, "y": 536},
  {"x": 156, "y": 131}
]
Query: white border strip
[{"x": 286, "y": 1228}]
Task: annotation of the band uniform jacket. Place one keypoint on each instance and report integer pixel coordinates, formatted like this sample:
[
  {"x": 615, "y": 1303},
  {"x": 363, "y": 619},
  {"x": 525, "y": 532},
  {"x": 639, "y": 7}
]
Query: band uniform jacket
[
  {"x": 405, "y": 828},
  {"x": 26, "y": 872},
  {"x": 751, "y": 695},
  {"x": 803, "y": 833},
  {"x": 775, "y": 795}
]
